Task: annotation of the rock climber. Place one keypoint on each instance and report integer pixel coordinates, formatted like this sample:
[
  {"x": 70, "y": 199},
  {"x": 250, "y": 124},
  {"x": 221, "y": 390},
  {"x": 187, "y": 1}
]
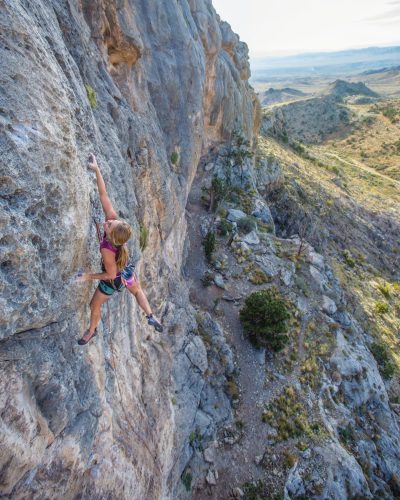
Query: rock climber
[{"x": 116, "y": 273}]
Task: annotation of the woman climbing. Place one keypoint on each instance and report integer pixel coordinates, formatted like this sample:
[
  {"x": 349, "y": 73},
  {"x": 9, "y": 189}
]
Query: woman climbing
[{"x": 116, "y": 271}]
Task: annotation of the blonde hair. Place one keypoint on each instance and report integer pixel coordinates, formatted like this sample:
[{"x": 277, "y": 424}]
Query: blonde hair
[{"x": 118, "y": 237}]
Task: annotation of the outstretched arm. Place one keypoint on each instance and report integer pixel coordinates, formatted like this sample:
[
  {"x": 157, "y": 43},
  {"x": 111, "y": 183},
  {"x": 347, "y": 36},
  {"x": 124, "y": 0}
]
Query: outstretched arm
[
  {"x": 110, "y": 266},
  {"x": 108, "y": 209}
]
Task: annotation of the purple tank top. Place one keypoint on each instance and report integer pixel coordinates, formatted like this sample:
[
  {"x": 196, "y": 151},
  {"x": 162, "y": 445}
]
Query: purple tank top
[{"x": 106, "y": 244}]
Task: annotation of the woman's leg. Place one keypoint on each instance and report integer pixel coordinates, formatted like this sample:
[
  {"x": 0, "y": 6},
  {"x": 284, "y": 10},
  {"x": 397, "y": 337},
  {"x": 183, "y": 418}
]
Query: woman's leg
[
  {"x": 95, "y": 312},
  {"x": 141, "y": 298}
]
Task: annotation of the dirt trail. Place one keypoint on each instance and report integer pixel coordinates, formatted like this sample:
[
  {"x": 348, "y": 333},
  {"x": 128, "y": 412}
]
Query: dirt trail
[
  {"x": 361, "y": 166},
  {"x": 236, "y": 464}
]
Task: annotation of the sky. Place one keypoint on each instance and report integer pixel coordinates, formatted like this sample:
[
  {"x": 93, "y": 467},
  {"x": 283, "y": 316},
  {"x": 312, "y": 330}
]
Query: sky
[{"x": 283, "y": 27}]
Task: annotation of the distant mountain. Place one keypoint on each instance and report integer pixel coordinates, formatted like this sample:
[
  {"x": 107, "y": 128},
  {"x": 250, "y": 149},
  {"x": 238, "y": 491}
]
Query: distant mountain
[
  {"x": 273, "y": 96},
  {"x": 341, "y": 88},
  {"x": 393, "y": 69},
  {"x": 348, "y": 62}
]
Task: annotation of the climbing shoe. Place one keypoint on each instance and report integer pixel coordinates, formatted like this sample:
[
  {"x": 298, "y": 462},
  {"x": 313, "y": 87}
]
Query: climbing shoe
[
  {"x": 151, "y": 320},
  {"x": 85, "y": 339}
]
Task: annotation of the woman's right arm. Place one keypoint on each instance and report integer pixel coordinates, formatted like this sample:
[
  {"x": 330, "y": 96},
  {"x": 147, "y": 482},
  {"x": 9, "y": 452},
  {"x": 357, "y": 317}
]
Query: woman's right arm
[
  {"x": 108, "y": 209},
  {"x": 110, "y": 267}
]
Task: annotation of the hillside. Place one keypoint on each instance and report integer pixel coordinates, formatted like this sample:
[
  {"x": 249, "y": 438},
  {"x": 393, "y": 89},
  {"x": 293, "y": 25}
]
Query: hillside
[
  {"x": 341, "y": 89},
  {"x": 273, "y": 96},
  {"x": 350, "y": 213},
  {"x": 315, "y": 119},
  {"x": 327, "y": 242},
  {"x": 307, "y": 121},
  {"x": 350, "y": 187}
]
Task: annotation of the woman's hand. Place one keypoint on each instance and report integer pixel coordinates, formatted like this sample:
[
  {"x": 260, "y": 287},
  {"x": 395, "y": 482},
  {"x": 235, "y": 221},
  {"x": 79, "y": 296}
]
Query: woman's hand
[
  {"x": 83, "y": 277},
  {"x": 93, "y": 163}
]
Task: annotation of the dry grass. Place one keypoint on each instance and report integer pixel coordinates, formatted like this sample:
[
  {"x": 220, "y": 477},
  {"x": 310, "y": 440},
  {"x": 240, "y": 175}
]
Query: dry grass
[{"x": 375, "y": 142}]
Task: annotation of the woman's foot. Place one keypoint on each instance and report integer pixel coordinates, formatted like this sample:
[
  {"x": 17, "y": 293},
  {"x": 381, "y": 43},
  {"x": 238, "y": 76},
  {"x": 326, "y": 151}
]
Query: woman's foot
[
  {"x": 152, "y": 321},
  {"x": 87, "y": 337}
]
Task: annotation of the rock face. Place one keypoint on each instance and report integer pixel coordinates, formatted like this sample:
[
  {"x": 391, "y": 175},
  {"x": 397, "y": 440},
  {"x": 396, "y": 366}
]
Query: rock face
[{"x": 133, "y": 82}]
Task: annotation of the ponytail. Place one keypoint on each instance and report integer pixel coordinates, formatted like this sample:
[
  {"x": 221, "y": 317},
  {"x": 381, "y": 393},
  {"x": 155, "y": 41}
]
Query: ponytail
[
  {"x": 122, "y": 257},
  {"x": 120, "y": 234}
]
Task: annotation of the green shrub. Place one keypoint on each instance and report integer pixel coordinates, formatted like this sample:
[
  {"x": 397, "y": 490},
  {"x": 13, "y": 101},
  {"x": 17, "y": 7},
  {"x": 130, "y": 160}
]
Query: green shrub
[
  {"x": 368, "y": 120},
  {"x": 222, "y": 212},
  {"x": 246, "y": 224},
  {"x": 218, "y": 186},
  {"x": 390, "y": 112},
  {"x": 258, "y": 277},
  {"x": 225, "y": 227},
  {"x": 264, "y": 228},
  {"x": 283, "y": 136},
  {"x": 264, "y": 318},
  {"x": 195, "y": 438},
  {"x": 218, "y": 191},
  {"x": 174, "y": 158},
  {"x": 348, "y": 258},
  {"x": 91, "y": 95},
  {"x": 254, "y": 491},
  {"x": 209, "y": 244},
  {"x": 289, "y": 459},
  {"x": 381, "y": 308},
  {"x": 207, "y": 279},
  {"x": 240, "y": 150},
  {"x": 298, "y": 148},
  {"x": 186, "y": 479},
  {"x": 143, "y": 237},
  {"x": 288, "y": 415},
  {"x": 232, "y": 388},
  {"x": 346, "y": 434},
  {"x": 381, "y": 354},
  {"x": 344, "y": 116},
  {"x": 241, "y": 197},
  {"x": 384, "y": 288}
]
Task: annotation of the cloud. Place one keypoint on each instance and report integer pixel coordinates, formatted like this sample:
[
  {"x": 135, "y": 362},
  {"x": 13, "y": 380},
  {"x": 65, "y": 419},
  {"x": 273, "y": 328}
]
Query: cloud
[{"x": 389, "y": 16}]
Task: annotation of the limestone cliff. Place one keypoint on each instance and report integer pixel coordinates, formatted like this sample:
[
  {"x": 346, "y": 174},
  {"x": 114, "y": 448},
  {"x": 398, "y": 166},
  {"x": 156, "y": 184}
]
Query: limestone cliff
[{"x": 134, "y": 82}]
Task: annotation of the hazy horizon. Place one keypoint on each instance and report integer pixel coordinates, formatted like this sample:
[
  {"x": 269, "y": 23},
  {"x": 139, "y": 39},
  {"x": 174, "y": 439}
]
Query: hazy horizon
[
  {"x": 304, "y": 53},
  {"x": 271, "y": 30}
]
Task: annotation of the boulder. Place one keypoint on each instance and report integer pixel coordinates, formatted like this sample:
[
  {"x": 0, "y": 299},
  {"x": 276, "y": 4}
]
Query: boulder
[
  {"x": 251, "y": 238},
  {"x": 234, "y": 215},
  {"x": 319, "y": 278},
  {"x": 261, "y": 211},
  {"x": 212, "y": 476},
  {"x": 219, "y": 281},
  {"x": 328, "y": 305}
]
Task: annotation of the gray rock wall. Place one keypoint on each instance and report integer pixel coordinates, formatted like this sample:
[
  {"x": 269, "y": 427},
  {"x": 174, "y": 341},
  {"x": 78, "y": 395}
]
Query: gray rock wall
[{"x": 167, "y": 76}]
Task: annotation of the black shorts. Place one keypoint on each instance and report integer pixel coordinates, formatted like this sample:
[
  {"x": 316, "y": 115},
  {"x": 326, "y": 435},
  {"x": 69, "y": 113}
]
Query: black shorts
[{"x": 110, "y": 286}]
